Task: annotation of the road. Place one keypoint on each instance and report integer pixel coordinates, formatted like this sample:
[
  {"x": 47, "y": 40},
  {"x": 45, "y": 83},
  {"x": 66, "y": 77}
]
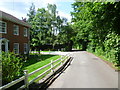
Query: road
[{"x": 87, "y": 71}]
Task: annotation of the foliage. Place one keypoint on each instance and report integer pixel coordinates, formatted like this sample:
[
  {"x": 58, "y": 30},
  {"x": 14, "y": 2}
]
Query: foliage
[
  {"x": 97, "y": 28},
  {"x": 11, "y": 67},
  {"x": 42, "y": 23},
  {"x": 66, "y": 36},
  {"x": 48, "y": 28},
  {"x": 31, "y": 15}
]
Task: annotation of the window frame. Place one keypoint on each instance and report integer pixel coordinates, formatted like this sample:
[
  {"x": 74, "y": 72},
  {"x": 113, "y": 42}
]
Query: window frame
[
  {"x": 25, "y": 32},
  {"x": 25, "y": 48},
  {"x": 16, "y": 29},
  {"x": 14, "y": 48},
  {"x": 4, "y": 27}
]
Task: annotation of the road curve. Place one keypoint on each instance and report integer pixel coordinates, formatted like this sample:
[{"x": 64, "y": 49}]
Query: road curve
[{"x": 87, "y": 71}]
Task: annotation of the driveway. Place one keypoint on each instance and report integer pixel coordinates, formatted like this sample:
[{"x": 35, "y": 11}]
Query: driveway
[{"x": 87, "y": 71}]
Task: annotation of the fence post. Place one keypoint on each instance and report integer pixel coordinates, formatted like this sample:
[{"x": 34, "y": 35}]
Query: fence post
[
  {"x": 26, "y": 79},
  {"x": 52, "y": 66}
]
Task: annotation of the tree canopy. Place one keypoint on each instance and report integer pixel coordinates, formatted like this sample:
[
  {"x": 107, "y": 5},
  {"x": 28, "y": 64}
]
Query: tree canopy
[
  {"x": 94, "y": 27},
  {"x": 48, "y": 28},
  {"x": 97, "y": 27}
]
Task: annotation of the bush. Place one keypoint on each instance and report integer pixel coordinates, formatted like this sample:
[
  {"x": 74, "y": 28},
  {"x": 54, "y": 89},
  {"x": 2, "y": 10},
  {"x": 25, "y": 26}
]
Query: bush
[
  {"x": 11, "y": 67},
  {"x": 111, "y": 49}
]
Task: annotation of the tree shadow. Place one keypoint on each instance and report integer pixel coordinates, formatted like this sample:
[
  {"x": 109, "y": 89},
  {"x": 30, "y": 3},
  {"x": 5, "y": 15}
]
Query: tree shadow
[{"x": 45, "y": 84}]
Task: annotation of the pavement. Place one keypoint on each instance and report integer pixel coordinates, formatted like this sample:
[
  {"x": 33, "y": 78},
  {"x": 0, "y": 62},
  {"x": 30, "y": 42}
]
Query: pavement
[
  {"x": 56, "y": 53},
  {"x": 86, "y": 71}
]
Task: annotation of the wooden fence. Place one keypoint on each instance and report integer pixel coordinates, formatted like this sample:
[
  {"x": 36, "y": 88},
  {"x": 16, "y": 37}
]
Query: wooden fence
[{"x": 61, "y": 60}]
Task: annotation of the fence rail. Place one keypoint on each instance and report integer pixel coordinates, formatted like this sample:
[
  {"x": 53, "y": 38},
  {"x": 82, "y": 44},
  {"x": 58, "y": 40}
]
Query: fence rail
[
  {"x": 63, "y": 59},
  {"x": 12, "y": 83}
]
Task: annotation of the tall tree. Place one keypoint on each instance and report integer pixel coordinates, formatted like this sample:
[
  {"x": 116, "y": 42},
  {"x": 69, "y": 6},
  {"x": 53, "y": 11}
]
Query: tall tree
[
  {"x": 97, "y": 24},
  {"x": 31, "y": 14}
]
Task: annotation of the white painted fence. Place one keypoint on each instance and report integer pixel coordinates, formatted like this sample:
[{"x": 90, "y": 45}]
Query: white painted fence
[{"x": 63, "y": 59}]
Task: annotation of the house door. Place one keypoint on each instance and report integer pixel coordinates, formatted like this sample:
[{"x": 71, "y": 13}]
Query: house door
[{"x": 3, "y": 46}]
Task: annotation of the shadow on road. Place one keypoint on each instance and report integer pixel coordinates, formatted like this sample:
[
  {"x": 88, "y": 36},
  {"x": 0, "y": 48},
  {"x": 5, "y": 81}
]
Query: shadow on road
[{"x": 44, "y": 85}]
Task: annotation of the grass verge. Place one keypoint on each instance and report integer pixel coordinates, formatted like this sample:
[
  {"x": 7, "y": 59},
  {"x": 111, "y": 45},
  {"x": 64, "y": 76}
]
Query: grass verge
[{"x": 37, "y": 61}]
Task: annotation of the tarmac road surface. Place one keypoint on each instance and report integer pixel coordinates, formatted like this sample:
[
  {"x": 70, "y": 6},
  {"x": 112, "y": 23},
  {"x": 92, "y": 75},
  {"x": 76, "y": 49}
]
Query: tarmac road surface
[{"x": 87, "y": 71}]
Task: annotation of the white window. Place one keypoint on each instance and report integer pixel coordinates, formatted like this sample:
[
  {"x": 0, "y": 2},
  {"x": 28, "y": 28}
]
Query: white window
[
  {"x": 16, "y": 48},
  {"x": 25, "y": 48},
  {"x": 25, "y": 32},
  {"x": 3, "y": 27},
  {"x": 16, "y": 30}
]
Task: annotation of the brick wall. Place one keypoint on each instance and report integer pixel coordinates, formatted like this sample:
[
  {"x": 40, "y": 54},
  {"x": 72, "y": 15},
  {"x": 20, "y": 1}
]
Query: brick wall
[{"x": 15, "y": 38}]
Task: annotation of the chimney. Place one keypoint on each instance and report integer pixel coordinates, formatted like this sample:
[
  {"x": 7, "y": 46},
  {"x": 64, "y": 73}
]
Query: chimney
[{"x": 24, "y": 19}]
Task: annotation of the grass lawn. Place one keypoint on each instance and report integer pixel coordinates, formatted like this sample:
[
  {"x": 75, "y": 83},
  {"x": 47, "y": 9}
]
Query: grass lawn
[{"x": 37, "y": 61}]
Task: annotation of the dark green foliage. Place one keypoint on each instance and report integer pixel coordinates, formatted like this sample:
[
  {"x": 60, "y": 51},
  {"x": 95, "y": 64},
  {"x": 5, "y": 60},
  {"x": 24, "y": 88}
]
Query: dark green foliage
[
  {"x": 30, "y": 20},
  {"x": 97, "y": 27},
  {"x": 48, "y": 28},
  {"x": 11, "y": 67},
  {"x": 66, "y": 36}
]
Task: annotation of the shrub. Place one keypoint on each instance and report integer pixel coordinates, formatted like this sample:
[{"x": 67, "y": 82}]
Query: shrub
[{"x": 11, "y": 67}]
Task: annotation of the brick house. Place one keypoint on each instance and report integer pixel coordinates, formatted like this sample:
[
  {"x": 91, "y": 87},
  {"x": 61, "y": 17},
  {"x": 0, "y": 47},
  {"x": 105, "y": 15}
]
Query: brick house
[{"x": 14, "y": 34}]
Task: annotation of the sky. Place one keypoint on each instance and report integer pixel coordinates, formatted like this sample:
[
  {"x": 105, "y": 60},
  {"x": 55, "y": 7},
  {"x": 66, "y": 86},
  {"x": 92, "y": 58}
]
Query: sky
[{"x": 19, "y": 8}]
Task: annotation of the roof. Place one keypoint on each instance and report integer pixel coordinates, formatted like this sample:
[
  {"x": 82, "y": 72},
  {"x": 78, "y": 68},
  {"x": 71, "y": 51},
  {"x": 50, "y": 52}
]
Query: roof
[{"x": 11, "y": 18}]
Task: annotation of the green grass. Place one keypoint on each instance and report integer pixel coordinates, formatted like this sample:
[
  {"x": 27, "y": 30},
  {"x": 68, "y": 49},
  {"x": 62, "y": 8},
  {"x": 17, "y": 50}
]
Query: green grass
[
  {"x": 37, "y": 61},
  {"x": 118, "y": 68}
]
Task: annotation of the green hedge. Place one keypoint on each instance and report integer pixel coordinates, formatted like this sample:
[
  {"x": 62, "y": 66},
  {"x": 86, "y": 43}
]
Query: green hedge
[{"x": 11, "y": 67}]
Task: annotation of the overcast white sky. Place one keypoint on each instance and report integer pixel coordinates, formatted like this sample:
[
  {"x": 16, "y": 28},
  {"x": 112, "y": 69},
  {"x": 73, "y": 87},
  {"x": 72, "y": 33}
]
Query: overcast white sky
[{"x": 19, "y": 8}]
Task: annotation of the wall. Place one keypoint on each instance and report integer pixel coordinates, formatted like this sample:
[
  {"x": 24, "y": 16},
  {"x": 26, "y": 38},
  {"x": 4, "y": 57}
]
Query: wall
[{"x": 15, "y": 38}]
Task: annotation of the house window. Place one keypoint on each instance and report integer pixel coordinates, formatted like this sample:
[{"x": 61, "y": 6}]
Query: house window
[
  {"x": 16, "y": 30},
  {"x": 3, "y": 26},
  {"x": 16, "y": 48},
  {"x": 25, "y": 48},
  {"x": 25, "y": 32}
]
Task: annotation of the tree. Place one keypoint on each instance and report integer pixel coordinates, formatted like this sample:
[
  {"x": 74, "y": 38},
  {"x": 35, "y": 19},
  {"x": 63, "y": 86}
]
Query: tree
[
  {"x": 66, "y": 35},
  {"x": 30, "y": 20},
  {"x": 48, "y": 28},
  {"x": 31, "y": 13},
  {"x": 97, "y": 28},
  {"x": 45, "y": 25}
]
